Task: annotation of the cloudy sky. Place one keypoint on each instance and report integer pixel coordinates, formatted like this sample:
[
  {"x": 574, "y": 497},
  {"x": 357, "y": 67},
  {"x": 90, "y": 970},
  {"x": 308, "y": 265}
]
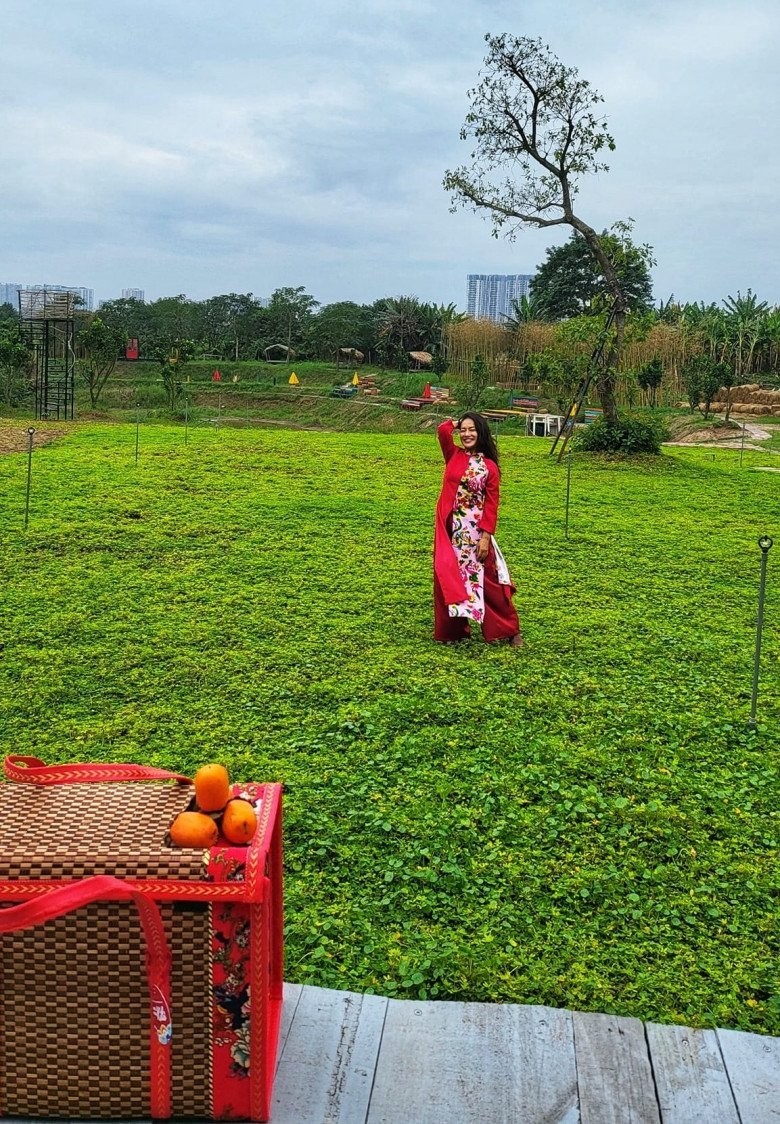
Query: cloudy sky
[{"x": 200, "y": 147}]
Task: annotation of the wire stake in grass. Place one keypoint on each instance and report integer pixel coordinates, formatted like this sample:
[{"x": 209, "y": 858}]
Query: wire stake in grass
[
  {"x": 186, "y": 418},
  {"x": 137, "y": 429},
  {"x": 30, "y": 435},
  {"x": 742, "y": 446},
  {"x": 765, "y": 542},
  {"x": 568, "y": 489}
]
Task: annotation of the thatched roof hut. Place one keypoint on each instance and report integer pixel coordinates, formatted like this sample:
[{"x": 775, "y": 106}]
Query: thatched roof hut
[
  {"x": 350, "y": 353},
  {"x": 278, "y": 353},
  {"x": 420, "y": 359}
]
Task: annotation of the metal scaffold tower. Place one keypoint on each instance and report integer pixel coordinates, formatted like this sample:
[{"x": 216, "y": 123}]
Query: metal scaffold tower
[{"x": 47, "y": 322}]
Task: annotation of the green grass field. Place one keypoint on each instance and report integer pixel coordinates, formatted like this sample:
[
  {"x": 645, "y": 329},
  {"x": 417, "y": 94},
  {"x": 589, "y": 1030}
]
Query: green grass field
[{"x": 586, "y": 823}]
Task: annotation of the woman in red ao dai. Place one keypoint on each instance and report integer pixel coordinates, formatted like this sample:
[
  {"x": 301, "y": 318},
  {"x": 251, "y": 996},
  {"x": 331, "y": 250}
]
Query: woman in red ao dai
[{"x": 471, "y": 582}]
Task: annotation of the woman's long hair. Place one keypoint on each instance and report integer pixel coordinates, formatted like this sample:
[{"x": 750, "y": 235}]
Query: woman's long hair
[{"x": 485, "y": 441}]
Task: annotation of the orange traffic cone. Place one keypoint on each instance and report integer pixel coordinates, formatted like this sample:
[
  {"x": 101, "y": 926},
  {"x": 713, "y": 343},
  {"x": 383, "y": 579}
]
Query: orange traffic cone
[{"x": 427, "y": 391}]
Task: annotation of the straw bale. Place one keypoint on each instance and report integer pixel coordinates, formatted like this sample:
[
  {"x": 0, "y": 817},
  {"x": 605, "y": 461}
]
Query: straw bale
[{"x": 776, "y": 411}]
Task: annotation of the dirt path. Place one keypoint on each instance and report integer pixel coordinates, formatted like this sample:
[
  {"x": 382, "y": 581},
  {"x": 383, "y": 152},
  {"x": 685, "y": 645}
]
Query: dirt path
[
  {"x": 713, "y": 436},
  {"x": 14, "y": 437}
]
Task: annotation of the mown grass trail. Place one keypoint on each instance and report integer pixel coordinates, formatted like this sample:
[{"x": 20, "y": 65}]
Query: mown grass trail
[{"x": 587, "y": 823}]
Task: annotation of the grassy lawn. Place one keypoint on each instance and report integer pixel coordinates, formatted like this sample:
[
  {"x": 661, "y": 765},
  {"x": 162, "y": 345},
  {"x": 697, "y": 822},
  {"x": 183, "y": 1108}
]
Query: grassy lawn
[{"x": 586, "y": 823}]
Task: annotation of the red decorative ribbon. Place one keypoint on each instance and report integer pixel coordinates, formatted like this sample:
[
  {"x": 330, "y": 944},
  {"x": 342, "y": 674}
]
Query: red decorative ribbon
[
  {"x": 103, "y": 887},
  {"x": 31, "y": 770}
]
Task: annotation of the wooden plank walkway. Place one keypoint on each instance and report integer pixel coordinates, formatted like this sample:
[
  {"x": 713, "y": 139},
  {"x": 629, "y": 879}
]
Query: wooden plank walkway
[{"x": 361, "y": 1059}]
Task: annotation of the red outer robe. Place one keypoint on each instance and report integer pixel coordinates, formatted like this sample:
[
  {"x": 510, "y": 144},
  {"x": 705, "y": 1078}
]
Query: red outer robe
[{"x": 445, "y": 564}]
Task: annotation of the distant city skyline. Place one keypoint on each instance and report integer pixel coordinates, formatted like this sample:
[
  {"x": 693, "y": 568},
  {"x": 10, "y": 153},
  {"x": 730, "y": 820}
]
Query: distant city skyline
[
  {"x": 9, "y": 292},
  {"x": 491, "y": 296},
  {"x": 133, "y": 294}
]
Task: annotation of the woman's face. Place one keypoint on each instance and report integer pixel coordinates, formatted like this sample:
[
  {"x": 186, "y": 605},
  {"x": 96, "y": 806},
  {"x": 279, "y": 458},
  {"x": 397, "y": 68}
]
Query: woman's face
[{"x": 468, "y": 434}]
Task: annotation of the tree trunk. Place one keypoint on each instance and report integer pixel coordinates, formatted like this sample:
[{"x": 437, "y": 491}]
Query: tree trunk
[{"x": 605, "y": 381}]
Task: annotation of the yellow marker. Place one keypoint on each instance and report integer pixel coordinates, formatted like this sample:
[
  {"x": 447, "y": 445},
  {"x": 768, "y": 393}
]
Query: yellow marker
[
  {"x": 355, "y": 379},
  {"x": 293, "y": 379}
]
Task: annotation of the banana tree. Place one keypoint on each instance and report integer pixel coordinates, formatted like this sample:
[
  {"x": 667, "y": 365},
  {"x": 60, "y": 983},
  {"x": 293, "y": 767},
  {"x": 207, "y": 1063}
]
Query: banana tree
[{"x": 744, "y": 317}]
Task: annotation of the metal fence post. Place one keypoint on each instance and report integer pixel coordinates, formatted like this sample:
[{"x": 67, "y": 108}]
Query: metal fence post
[
  {"x": 765, "y": 542},
  {"x": 568, "y": 488},
  {"x": 30, "y": 436},
  {"x": 137, "y": 429}
]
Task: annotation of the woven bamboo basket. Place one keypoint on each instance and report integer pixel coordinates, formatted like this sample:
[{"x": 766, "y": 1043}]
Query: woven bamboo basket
[{"x": 105, "y": 1017}]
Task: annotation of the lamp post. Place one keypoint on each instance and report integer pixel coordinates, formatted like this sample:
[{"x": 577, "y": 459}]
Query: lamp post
[{"x": 765, "y": 542}]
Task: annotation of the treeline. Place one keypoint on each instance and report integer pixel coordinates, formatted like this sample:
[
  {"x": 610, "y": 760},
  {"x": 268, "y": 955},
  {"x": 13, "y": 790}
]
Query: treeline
[
  {"x": 545, "y": 346},
  {"x": 234, "y": 326},
  {"x": 737, "y": 340},
  {"x": 238, "y": 326}
]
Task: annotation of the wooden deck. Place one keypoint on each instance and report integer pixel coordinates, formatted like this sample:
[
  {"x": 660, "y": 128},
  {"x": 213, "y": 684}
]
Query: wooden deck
[{"x": 362, "y": 1059}]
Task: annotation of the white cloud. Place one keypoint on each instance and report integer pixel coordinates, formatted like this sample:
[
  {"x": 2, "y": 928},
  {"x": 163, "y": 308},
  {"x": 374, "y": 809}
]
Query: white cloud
[{"x": 181, "y": 147}]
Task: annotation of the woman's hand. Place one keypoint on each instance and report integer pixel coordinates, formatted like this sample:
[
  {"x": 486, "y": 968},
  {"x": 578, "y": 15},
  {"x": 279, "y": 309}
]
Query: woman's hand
[{"x": 483, "y": 546}]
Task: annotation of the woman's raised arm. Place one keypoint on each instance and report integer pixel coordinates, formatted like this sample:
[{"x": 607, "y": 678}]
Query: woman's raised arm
[{"x": 444, "y": 433}]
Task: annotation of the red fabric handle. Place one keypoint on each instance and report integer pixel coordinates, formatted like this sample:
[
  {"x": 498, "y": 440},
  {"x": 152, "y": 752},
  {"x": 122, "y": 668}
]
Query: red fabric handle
[
  {"x": 103, "y": 887},
  {"x": 31, "y": 770}
]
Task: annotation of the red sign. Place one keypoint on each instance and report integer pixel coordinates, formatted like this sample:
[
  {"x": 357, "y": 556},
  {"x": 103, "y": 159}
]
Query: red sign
[
  {"x": 217, "y": 376},
  {"x": 131, "y": 349}
]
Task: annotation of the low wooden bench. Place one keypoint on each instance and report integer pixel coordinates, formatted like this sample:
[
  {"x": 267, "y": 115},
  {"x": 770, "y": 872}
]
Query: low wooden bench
[
  {"x": 411, "y": 404},
  {"x": 348, "y": 391},
  {"x": 440, "y": 394},
  {"x": 502, "y": 415},
  {"x": 522, "y": 401}
]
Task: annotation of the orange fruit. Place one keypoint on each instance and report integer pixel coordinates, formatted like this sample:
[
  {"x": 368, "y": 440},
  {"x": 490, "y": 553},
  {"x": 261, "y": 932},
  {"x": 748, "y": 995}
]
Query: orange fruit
[
  {"x": 193, "y": 829},
  {"x": 239, "y": 821},
  {"x": 212, "y": 788}
]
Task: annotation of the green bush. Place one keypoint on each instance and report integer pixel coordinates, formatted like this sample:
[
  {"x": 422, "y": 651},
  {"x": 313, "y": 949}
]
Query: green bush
[{"x": 632, "y": 433}]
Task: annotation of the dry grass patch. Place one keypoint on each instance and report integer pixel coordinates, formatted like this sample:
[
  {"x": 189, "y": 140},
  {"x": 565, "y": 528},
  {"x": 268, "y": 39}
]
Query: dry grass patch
[{"x": 13, "y": 435}]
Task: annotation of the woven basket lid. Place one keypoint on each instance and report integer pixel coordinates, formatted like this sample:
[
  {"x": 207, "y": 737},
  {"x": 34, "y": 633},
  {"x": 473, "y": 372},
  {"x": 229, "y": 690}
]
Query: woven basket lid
[{"x": 74, "y": 830}]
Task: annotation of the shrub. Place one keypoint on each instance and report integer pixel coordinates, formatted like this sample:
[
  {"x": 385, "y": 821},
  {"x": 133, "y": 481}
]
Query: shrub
[
  {"x": 650, "y": 377},
  {"x": 631, "y": 433},
  {"x": 479, "y": 377}
]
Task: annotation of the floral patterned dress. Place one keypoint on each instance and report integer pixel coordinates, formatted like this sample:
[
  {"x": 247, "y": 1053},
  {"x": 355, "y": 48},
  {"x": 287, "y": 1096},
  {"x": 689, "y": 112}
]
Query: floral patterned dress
[{"x": 466, "y": 514}]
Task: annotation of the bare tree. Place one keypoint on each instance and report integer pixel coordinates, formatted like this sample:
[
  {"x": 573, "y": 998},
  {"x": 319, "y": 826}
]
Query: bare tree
[{"x": 537, "y": 129}]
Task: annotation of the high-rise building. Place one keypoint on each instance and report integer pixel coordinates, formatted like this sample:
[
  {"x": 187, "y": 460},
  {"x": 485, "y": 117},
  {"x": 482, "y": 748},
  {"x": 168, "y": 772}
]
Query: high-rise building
[
  {"x": 133, "y": 294},
  {"x": 490, "y": 295},
  {"x": 9, "y": 292}
]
